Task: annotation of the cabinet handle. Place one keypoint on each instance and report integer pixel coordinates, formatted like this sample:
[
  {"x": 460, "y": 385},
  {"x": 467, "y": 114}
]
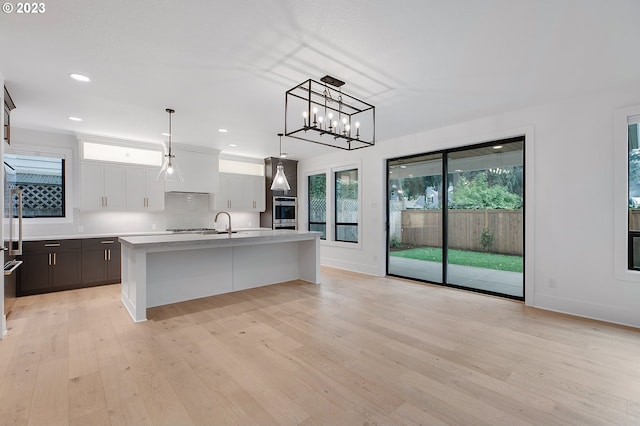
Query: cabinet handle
[
  {"x": 49, "y": 259},
  {"x": 106, "y": 242},
  {"x": 52, "y": 245},
  {"x": 104, "y": 252},
  {"x": 54, "y": 259},
  {"x": 109, "y": 250},
  {"x": 106, "y": 201}
]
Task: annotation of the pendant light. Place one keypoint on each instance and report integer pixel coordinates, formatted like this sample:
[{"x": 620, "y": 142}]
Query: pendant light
[
  {"x": 280, "y": 179},
  {"x": 169, "y": 169}
]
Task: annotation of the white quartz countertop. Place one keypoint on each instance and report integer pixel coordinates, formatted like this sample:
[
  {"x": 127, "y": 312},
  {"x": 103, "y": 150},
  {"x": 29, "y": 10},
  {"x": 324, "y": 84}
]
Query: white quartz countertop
[
  {"x": 239, "y": 237},
  {"x": 117, "y": 234},
  {"x": 89, "y": 235}
]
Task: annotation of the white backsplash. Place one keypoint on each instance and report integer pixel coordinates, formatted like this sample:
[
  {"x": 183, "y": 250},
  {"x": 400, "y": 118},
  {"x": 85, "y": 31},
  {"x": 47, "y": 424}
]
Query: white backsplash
[
  {"x": 182, "y": 210},
  {"x": 186, "y": 210}
]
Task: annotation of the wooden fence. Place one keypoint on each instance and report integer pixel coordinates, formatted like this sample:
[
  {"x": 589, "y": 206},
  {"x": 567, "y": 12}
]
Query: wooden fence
[{"x": 424, "y": 228}]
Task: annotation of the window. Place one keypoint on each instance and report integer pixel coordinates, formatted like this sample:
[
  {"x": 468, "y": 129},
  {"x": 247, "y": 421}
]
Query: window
[
  {"x": 346, "y": 206},
  {"x": 318, "y": 204},
  {"x": 42, "y": 181},
  {"x": 633, "y": 192},
  {"x": 121, "y": 154}
]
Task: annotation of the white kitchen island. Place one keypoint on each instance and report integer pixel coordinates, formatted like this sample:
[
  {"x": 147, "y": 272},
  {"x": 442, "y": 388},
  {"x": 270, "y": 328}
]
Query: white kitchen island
[{"x": 162, "y": 269}]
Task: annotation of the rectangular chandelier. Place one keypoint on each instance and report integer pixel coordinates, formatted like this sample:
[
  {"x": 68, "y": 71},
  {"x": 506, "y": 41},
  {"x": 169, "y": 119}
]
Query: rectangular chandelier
[{"x": 320, "y": 112}]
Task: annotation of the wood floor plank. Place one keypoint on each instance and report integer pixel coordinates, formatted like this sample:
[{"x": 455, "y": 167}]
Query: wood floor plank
[{"x": 354, "y": 350}]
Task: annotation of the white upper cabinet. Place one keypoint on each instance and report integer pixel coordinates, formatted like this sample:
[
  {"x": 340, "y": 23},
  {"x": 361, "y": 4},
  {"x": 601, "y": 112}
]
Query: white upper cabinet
[
  {"x": 106, "y": 186},
  {"x": 143, "y": 191},
  {"x": 240, "y": 193},
  {"x": 199, "y": 168},
  {"x": 102, "y": 186}
]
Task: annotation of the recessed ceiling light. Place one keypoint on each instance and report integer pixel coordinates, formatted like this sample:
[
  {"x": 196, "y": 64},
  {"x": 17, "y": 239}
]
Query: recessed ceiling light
[
  {"x": 75, "y": 118},
  {"x": 232, "y": 144},
  {"x": 497, "y": 147},
  {"x": 223, "y": 130},
  {"x": 80, "y": 77}
]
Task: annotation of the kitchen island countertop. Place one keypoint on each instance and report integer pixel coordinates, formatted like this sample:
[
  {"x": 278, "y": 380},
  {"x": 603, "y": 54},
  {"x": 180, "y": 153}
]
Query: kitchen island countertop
[{"x": 218, "y": 239}]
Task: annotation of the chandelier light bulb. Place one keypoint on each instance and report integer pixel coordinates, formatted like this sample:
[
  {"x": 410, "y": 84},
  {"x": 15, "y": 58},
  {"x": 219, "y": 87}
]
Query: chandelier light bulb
[
  {"x": 304, "y": 115},
  {"x": 170, "y": 169},
  {"x": 357, "y": 124},
  {"x": 315, "y": 116}
]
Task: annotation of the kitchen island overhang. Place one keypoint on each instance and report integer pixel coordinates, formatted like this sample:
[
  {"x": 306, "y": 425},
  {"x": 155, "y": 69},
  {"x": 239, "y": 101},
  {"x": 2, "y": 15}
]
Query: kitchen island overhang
[{"x": 162, "y": 269}]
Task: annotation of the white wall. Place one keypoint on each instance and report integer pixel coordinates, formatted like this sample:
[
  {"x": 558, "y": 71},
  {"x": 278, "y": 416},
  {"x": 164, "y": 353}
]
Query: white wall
[{"x": 569, "y": 227}]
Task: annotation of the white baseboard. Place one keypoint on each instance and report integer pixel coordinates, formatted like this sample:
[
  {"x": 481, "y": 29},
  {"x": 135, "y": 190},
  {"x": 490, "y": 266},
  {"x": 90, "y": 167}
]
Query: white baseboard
[{"x": 589, "y": 310}]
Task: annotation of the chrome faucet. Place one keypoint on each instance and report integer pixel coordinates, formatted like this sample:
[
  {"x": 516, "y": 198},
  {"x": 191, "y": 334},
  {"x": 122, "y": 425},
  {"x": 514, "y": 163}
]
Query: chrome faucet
[{"x": 228, "y": 229}]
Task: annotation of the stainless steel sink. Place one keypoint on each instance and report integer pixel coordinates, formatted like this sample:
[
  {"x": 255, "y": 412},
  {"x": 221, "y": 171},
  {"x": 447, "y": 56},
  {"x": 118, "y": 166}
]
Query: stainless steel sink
[{"x": 214, "y": 232}]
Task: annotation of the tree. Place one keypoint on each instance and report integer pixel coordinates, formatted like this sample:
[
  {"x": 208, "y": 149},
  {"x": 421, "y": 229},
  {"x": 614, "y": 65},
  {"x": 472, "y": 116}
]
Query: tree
[{"x": 478, "y": 194}]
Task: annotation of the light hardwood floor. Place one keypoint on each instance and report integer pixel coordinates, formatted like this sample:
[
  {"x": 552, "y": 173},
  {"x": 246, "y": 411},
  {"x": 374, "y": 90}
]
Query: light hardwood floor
[{"x": 354, "y": 350}]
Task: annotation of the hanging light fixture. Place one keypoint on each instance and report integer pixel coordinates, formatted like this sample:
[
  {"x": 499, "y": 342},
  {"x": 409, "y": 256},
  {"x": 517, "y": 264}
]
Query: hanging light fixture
[
  {"x": 169, "y": 169},
  {"x": 322, "y": 113},
  {"x": 280, "y": 182}
]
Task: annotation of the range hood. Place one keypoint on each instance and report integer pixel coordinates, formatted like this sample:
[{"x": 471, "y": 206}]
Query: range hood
[{"x": 199, "y": 168}]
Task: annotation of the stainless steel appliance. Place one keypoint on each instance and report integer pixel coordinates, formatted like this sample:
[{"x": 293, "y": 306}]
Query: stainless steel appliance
[
  {"x": 285, "y": 212},
  {"x": 12, "y": 211},
  {"x": 13, "y": 246}
]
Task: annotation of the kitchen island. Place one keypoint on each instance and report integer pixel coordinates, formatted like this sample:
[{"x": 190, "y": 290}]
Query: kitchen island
[{"x": 162, "y": 269}]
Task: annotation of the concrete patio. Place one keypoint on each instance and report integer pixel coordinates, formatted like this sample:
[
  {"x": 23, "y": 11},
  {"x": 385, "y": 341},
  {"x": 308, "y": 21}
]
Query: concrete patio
[{"x": 504, "y": 282}]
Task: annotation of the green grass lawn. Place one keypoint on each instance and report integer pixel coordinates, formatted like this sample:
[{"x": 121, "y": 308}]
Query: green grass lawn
[{"x": 501, "y": 262}]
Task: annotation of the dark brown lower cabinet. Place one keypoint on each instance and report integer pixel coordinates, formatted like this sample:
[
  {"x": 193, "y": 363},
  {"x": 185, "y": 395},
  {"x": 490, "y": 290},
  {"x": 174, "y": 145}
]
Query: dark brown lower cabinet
[
  {"x": 55, "y": 265},
  {"x": 100, "y": 261},
  {"x": 50, "y": 265}
]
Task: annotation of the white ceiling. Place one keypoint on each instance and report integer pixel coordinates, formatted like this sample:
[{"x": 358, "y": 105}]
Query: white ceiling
[{"x": 422, "y": 63}]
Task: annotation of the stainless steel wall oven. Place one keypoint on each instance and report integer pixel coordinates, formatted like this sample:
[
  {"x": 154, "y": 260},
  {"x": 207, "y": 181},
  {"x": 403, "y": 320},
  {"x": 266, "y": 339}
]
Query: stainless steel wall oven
[{"x": 285, "y": 212}]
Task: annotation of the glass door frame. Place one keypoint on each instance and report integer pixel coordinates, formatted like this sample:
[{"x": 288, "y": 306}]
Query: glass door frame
[{"x": 445, "y": 213}]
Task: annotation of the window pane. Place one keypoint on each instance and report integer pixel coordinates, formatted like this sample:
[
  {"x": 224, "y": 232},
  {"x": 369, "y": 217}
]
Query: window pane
[
  {"x": 348, "y": 233},
  {"x": 634, "y": 179},
  {"x": 41, "y": 180},
  {"x": 485, "y": 235},
  {"x": 318, "y": 204},
  {"x": 347, "y": 205},
  {"x": 415, "y": 217},
  {"x": 320, "y": 228}
]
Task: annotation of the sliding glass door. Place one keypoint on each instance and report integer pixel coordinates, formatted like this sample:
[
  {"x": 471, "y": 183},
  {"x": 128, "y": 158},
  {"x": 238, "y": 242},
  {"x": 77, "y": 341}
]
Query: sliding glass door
[
  {"x": 474, "y": 236},
  {"x": 415, "y": 217}
]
